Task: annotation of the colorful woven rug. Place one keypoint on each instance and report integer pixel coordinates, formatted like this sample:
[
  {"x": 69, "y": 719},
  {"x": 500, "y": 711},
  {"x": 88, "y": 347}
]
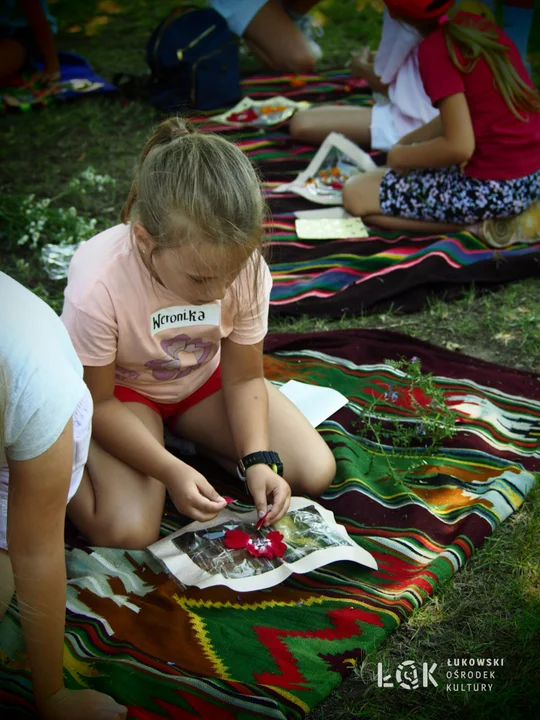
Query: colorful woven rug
[
  {"x": 356, "y": 275},
  {"x": 133, "y": 633}
]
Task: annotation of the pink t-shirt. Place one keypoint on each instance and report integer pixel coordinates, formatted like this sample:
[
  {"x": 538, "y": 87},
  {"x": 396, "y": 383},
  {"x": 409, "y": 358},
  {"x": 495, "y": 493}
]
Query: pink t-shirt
[
  {"x": 163, "y": 347},
  {"x": 506, "y": 148}
]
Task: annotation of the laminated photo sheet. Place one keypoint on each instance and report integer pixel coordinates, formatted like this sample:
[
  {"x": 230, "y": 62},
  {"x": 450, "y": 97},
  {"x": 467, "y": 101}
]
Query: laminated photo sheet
[
  {"x": 196, "y": 555},
  {"x": 337, "y": 160},
  {"x": 260, "y": 113}
]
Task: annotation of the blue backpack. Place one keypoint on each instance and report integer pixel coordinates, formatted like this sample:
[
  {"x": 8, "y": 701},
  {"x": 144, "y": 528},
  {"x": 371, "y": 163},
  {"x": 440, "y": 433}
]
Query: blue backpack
[{"x": 194, "y": 60}]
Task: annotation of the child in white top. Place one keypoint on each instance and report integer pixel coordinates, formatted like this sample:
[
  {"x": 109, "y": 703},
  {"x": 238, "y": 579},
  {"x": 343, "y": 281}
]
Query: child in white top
[
  {"x": 45, "y": 427},
  {"x": 401, "y": 104},
  {"x": 168, "y": 313}
]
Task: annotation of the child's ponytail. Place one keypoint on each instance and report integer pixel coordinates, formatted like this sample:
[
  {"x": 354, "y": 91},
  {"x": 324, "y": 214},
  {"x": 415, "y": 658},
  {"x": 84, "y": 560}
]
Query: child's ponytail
[
  {"x": 164, "y": 133},
  {"x": 191, "y": 187}
]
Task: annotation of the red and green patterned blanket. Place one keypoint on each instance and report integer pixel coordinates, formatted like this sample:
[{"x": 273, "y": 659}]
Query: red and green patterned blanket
[
  {"x": 337, "y": 277},
  {"x": 132, "y": 632}
]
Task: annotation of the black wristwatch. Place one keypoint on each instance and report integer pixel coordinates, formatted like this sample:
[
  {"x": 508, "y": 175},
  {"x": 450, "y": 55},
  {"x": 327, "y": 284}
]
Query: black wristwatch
[{"x": 264, "y": 457}]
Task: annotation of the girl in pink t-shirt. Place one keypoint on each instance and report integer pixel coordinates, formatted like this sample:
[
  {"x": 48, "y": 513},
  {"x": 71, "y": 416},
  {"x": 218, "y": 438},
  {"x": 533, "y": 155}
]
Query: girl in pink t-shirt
[
  {"x": 168, "y": 313},
  {"x": 481, "y": 158}
]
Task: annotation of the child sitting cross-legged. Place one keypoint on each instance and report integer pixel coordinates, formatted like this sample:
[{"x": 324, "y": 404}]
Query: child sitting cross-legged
[
  {"x": 168, "y": 312},
  {"x": 481, "y": 158}
]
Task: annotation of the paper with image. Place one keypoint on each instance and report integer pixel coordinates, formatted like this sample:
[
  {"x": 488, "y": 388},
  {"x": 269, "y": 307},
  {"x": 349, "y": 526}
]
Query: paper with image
[
  {"x": 196, "y": 554},
  {"x": 337, "y": 160},
  {"x": 261, "y": 113}
]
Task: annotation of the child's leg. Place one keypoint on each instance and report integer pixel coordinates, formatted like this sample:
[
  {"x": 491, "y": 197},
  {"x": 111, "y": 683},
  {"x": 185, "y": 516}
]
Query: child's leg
[
  {"x": 115, "y": 505},
  {"x": 7, "y": 582},
  {"x": 308, "y": 461},
  {"x": 12, "y": 57},
  {"x": 361, "y": 198},
  {"x": 277, "y": 41},
  {"x": 312, "y": 126}
]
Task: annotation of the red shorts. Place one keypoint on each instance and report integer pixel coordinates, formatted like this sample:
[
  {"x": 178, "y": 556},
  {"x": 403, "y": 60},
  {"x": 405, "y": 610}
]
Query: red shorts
[{"x": 170, "y": 411}]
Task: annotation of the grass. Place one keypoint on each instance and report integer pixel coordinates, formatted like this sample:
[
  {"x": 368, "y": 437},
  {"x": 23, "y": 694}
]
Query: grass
[{"x": 492, "y": 607}]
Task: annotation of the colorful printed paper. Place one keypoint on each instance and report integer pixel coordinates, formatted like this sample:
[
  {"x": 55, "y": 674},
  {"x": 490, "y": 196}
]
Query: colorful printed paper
[
  {"x": 337, "y": 160},
  {"x": 196, "y": 554},
  {"x": 261, "y": 113}
]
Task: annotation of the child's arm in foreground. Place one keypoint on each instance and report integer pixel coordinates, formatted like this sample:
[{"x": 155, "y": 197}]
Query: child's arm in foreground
[
  {"x": 124, "y": 435},
  {"x": 453, "y": 146},
  {"x": 36, "y": 515},
  {"x": 246, "y": 403}
]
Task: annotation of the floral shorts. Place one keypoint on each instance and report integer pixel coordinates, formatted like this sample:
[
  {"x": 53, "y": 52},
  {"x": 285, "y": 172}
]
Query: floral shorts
[{"x": 448, "y": 195}]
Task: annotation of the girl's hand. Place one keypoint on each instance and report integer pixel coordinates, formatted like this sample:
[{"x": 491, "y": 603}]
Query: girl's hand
[
  {"x": 362, "y": 63},
  {"x": 267, "y": 486},
  {"x": 81, "y": 705},
  {"x": 45, "y": 77},
  {"x": 192, "y": 494},
  {"x": 393, "y": 159}
]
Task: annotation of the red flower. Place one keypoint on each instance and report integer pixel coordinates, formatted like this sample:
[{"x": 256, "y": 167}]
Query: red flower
[
  {"x": 235, "y": 539},
  {"x": 275, "y": 539},
  {"x": 269, "y": 546},
  {"x": 245, "y": 116}
]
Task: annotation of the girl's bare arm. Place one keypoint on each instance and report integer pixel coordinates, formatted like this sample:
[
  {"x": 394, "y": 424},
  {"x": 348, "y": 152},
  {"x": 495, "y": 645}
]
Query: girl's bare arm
[
  {"x": 120, "y": 432},
  {"x": 454, "y": 146},
  {"x": 38, "y": 490}
]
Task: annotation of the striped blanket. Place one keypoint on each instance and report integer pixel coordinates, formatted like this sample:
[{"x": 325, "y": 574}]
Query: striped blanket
[
  {"x": 356, "y": 275},
  {"x": 167, "y": 653}
]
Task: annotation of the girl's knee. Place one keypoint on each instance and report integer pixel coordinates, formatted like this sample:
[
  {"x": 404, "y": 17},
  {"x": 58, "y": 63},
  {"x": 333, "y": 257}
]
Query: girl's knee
[
  {"x": 123, "y": 532},
  {"x": 361, "y": 193},
  {"x": 299, "y": 60},
  {"x": 316, "y": 472},
  {"x": 352, "y": 195},
  {"x": 301, "y": 125}
]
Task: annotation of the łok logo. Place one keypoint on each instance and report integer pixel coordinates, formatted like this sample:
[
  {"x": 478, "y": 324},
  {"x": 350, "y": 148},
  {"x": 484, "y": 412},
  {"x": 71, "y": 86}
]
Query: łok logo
[{"x": 407, "y": 676}]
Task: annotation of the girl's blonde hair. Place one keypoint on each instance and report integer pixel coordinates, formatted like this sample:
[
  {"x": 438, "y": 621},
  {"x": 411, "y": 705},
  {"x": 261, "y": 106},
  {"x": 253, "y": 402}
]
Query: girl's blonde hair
[
  {"x": 478, "y": 38},
  {"x": 191, "y": 186},
  {"x": 475, "y": 37}
]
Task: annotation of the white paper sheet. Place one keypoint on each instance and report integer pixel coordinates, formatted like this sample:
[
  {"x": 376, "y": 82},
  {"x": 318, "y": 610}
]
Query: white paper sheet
[
  {"x": 316, "y": 403},
  {"x": 267, "y": 112},
  {"x": 195, "y": 556},
  {"x": 337, "y": 212},
  {"x": 331, "y": 229}
]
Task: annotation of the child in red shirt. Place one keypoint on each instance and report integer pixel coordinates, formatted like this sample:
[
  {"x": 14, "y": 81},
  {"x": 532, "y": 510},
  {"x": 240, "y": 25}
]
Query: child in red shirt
[{"x": 481, "y": 158}]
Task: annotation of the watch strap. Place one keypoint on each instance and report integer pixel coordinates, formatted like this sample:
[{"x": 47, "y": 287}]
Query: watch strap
[{"x": 262, "y": 457}]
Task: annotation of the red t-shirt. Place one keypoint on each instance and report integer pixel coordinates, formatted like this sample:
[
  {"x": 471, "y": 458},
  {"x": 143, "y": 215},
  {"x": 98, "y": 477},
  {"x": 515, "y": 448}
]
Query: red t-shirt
[{"x": 506, "y": 147}]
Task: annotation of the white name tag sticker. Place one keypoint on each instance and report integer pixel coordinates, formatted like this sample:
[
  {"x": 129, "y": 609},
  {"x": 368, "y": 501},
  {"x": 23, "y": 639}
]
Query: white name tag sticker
[{"x": 185, "y": 316}]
